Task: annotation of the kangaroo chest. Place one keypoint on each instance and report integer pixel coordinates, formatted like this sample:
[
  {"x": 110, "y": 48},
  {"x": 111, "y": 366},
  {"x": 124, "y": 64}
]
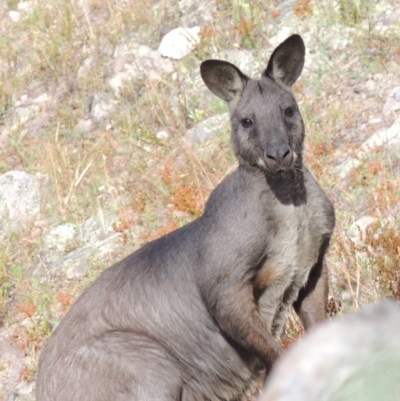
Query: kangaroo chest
[
  {"x": 293, "y": 246},
  {"x": 289, "y": 257}
]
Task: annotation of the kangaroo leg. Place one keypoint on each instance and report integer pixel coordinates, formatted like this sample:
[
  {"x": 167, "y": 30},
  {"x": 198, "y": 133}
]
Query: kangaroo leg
[
  {"x": 154, "y": 389},
  {"x": 118, "y": 366},
  {"x": 311, "y": 303},
  {"x": 151, "y": 373},
  {"x": 238, "y": 317}
]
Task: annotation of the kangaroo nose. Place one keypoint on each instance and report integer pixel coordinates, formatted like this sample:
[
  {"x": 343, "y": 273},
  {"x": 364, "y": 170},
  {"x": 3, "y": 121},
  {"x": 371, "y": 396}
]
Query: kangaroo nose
[
  {"x": 278, "y": 157},
  {"x": 278, "y": 154}
]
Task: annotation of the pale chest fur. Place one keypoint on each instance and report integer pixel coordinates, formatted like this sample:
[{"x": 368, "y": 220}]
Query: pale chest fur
[{"x": 290, "y": 255}]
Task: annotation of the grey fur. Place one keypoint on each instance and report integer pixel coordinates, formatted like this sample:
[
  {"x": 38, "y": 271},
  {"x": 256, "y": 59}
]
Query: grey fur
[{"x": 197, "y": 314}]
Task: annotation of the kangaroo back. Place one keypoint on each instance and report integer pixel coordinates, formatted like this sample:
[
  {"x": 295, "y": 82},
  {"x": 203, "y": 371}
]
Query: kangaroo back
[{"x": 198, "y": 314}]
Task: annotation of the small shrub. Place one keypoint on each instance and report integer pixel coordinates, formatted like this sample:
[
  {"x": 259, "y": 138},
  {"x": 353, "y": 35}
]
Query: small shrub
[
  {"x": 351, "y": 12},
  {"x": 302, "y": 8},
  {"x": 188, "y": 198},
  {"x": 383, "y": 248}
]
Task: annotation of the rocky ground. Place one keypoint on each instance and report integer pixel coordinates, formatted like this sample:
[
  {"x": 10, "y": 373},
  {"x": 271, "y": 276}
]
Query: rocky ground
[{"x": 109, "y": 138}]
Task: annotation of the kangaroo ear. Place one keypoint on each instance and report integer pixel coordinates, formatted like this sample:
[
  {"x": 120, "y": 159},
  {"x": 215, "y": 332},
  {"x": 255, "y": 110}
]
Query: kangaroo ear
[
  {"x": 287, "y": 61},
  {"x": 223, "y": 79}
]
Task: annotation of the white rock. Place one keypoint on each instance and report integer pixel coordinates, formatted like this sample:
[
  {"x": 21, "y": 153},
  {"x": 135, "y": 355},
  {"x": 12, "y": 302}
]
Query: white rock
[
  {"x": 207, "y": 129},
  {"x": 56, "y": 242},
  {"x": 14, "y": 16},
  {"x": 26, "y": 109},
  {"x": 162, "y": 135},
  {"x": 69, "y": 247},
  {"x": 118, "y": 82},
  {"x": 97, "y": 228},
  {"x": 24, "y": 114},
  {"x": 179, "y": 42},
  {"x": 102, "y": 106},
  {"x": 197, "y": 12},
  {"x": 137, "y": 62},
  {"x": 19, "y": 198},
  {"x": 392, "y": 103},
  {"x": 344, "y": 168},
  {"x": 371, "y": 85},
  {"x": 12, "y": 361},
  {"x": 387, "y": 136},
  {"x": 42, "y": 98},
  {"x": 26, "y": 6},
  {"x": 358, "y": 230}
]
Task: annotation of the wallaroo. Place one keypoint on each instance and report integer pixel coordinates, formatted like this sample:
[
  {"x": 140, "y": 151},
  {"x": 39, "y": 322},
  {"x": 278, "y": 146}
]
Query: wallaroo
[{"x": 197, "y": 314}]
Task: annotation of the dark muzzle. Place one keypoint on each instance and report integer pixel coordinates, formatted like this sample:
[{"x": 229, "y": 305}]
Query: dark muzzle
[{"x": 278, "y": 158}]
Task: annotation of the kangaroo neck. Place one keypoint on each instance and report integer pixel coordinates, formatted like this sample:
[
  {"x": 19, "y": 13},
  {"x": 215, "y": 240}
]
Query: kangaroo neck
[{"x": 287, "y": 186}]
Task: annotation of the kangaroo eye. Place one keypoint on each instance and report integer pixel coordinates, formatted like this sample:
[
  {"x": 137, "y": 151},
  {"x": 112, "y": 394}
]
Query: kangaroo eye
[
  {"x": 246, "y": 122},
  {"x": 289, "y": 112}
]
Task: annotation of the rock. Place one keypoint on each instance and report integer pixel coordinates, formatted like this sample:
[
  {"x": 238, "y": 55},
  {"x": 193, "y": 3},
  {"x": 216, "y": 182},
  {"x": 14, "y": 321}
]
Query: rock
[
  {"x": 25, "y": 6},
  {"x": 129, "y": 46},
  {"x": 88, "y": 64},
  {"x": 179, "y": 42},
  {"x": 119, "y": 81},
  {"x": 244, "y": 60},
  {"x": 97, "y": 228},
  {"x": 26, "y": 109},
  {"x": 392, "y": 103},
  {"x": 390, "y": 18},
  {"x": 69, "y": 247},
  {"x": 343, "y": 169},
  {"x": 76, "y": 263},
  {"x": 43, "y": 98},
  {"x": 386, "y": 137},
  {"x": 162, "y": 135},
  {"x": 84, "y": 125},
  {"x": 15, "y": 16},
  {"x": 135, "y": 62},
  {"x": 102, "y": 106},
  {"x": 352, "y": 357},
  {"x": 24, "y": 392},
  {"x": 24, "y": 114},
  {"x": 13, "y": 360},
  {"x": 207, "y": 129},
  {"x": 197, "y": 12},
  {"x": 19, "y": 199},
  {"x": 57, "y": 241},
  {"x": 358, "y": 230},
  {"x": 371, "y": 85}
]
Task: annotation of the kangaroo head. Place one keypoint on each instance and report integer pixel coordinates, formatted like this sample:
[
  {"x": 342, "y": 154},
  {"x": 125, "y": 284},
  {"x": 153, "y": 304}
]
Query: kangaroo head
[{"x": 267, "y": 128}]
